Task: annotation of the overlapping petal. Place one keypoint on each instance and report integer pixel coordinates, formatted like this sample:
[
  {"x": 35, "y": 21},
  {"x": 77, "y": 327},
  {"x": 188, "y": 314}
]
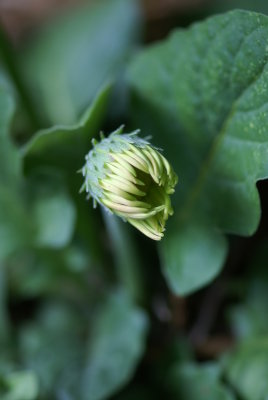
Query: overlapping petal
[{"x": 132, "y": 179}]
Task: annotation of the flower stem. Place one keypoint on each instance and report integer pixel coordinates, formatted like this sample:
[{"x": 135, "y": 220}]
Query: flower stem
[{"x": 127, "y": 258}]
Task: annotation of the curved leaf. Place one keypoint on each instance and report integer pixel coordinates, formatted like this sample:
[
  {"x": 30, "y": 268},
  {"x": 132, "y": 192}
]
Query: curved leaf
[
  {"x": 66, "y": 146},
  {"x": 203, "y": 95}
]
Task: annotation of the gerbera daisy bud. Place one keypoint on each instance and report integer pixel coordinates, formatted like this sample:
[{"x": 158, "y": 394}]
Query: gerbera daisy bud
[{"x": 131, "y": 179}]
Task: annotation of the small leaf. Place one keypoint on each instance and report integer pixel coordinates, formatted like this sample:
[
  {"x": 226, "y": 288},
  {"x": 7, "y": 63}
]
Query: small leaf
[
  {"x": 116, "y": 345},
  {"x": 203, "y": 96}
]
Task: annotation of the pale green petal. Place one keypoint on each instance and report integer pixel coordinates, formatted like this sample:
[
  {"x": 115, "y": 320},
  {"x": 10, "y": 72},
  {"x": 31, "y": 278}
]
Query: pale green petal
[
  {"x": 124, "y": 163},
  {"x": 117, "y": 169},
  {"x": 122, "y": 208},
  {"x": 144, "y": 214},
  {"x": 127, "y": 202},
  {"x": 141, "y": 163},
  {"x": 114, "y": 189},
  {"x": 126, "y": 186},
  {"x": 139, "y": 224},
  {"x": 134, "y": 162},
  {"x": 123, "y": 179}
]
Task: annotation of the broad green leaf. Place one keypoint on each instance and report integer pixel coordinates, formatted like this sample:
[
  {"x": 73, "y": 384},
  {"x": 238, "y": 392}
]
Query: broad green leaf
[
  {"x": 192, "y": 382},
  {"x": 22, "y": 385},
  {"x": 70, "y": 59},
  {"x": 116, "y": 346},
  {"x": 246, "y": 369},
  {"x": 202, "y": 94},
  {"x": 66, "y": 146}
]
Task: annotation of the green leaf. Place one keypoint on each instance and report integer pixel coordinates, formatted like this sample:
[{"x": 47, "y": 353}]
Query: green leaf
[
  {"x": 193, "y": 382},
  {"x": 209, "y": 252},
  {"x": 21, "y": 385},
  {"x": 202, "y": 95},
  {"x": 116, "y": 346},
  {"x": 246, "y": 369},
  {"x": 66, "y": 146},
  {"x": 15, "y": 227},
  {"x": 73, "y": 57}
]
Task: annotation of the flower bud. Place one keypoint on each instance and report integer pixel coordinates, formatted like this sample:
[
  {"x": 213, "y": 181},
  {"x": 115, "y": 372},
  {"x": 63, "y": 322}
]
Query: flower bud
[{"x": 131, "y": 179}]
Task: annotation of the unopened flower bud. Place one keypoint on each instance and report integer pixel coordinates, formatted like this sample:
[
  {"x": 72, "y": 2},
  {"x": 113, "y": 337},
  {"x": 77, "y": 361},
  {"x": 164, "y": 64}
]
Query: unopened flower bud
[{"x": 131, "y": 179}]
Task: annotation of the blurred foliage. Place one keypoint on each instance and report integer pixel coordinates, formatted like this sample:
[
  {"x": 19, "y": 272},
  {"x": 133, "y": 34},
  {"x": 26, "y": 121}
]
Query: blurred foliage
[
  {"x": 247, "y": 318},
  {"x": 191, "y": 382},
  {"x": 19, "y": 386},
  {"x": 85, "y": 313},
  {"x": 247, "y": 369},
  {"x": 73, "y": 57}
]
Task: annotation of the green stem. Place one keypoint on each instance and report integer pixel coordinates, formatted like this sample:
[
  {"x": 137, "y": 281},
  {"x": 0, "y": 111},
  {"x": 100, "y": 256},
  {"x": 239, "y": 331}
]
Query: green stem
[
  {"x": 9, "y": 59},
  {"x": 127, "y": 258}
]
